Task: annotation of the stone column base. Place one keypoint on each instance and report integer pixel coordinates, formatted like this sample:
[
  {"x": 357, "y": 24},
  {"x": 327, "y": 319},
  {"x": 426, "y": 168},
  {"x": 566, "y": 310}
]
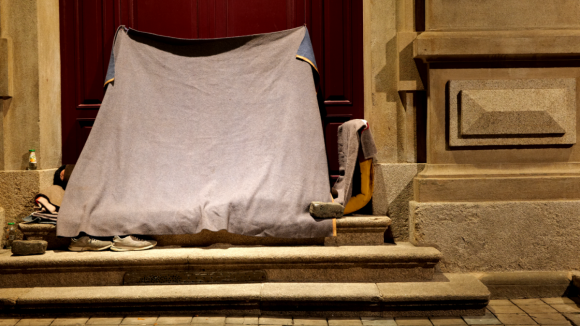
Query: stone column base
[
  {"x": 393, "y": 191},
  {"x": 17, "y": 191},
  {"x": 499, "y": 236}
]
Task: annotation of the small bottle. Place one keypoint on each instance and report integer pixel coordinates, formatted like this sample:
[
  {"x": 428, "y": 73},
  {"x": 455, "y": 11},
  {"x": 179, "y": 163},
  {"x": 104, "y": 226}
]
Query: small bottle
[
  {"x": 32, "y": 160},
  {"x": 10, "y": 235}
]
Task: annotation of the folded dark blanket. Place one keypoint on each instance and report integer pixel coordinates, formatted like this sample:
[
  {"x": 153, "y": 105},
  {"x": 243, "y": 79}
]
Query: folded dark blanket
[{"x": 41, "y": 218}]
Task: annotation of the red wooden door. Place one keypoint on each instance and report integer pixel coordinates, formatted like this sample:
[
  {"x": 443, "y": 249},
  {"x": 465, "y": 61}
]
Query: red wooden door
[{"x": 88, "y": 26}]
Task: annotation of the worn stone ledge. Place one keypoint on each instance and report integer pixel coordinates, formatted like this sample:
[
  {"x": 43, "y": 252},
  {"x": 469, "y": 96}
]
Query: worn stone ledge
[
  {"x": 400, "y": 253},
  {"x": 355, "y": 222},
  {"x": 400, "y": 262},
  {"x": 498, "y": 45},
  {"x": 142, "y": 294},
  {"x": 528, "y": 291},
  {"x": 488, "y": 189},
  {"x": 359, "y": 230},
  {"x": 40, "y": 229},
  {"x": 9, "y": 297},
  {"x": 526, "y": 284},
  {"x": 499, "y": 170},
  {"x": 339, "y": 261},
  {"x": 525, "y": 278},
  {"x": 497, "y": 182},
  {"x": 370, "y": 230},
  {"x": 321, "y": 292},
  {"x": 444, "y": 287},
  {"x": 450, "y": 295}
]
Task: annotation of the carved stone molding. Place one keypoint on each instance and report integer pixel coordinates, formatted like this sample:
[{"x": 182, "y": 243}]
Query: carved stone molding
[{"x": 512, "y": 112}]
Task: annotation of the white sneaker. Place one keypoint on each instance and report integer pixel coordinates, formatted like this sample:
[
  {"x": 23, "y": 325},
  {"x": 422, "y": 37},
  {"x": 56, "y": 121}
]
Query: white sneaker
[
  {"x": 131, "y": 242},
  {"x": 86, "y": 243}
]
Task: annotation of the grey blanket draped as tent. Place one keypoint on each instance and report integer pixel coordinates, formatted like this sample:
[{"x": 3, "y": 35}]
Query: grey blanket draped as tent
[{"x": 220, "y": 134}]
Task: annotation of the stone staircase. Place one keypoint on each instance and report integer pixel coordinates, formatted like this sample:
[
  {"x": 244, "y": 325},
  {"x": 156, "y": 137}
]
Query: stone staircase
[{"x": 353, "y": 274}]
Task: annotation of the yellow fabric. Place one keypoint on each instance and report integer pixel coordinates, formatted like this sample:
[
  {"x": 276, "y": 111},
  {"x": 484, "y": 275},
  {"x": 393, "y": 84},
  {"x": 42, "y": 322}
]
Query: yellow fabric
[
  {"x": 109, "y": 81},
  {"x": 310, "y": 62},
  {"x": 367, "y": 186}
]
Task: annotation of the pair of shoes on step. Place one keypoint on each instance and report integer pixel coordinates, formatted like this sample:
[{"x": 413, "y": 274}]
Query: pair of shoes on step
[{"x": 128, "y": 243}]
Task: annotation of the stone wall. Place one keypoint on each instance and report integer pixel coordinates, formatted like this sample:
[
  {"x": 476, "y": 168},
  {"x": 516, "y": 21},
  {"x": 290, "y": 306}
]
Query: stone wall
[
  {"x": 17, "y": 191},
  {"x": 31, "y": 116},
  {"x": 488, "y": 15},
  {"x": 393, "y": 192},
  {"x": 499, "y": 191},
  {"x": 391, "y": 73},
  {"x": 30, "y": 101},
  {"x": 500, "y": 235},
  {"x": 394, "y": 107}
]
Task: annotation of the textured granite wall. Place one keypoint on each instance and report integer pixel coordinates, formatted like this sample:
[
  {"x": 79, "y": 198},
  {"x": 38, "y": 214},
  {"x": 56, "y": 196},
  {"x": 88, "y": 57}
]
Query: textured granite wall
[
  {"x": 393, "y": 191},
  {"x": 466, "y": 15},
  {"x": 498, "y": 192},
  {"x": 500, "y": 236},
  {"x": 31, "y": 118},
  {"x": 512, "y": 112},
  {"x": 391, "y": 80},
  {"x": 383, "y": 109},
  {"x": 30, "y": 101}
]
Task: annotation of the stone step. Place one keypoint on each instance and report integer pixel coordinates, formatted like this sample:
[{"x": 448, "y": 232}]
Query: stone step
[
  {"x": 445, "y": 295},
  {"x": 527, "y": 284},
  {"x": 384, "y": 263},
  {"x": 351, "y": 230}
]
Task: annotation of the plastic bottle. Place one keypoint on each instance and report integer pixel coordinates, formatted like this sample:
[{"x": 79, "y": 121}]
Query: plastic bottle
[
  {"x": 32, "y": 160},
  {"x": 10, "y": 235}
]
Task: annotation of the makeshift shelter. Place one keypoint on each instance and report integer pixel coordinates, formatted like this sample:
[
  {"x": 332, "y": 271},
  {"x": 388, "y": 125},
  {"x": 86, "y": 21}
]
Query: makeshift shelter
[{"x": 216, "y": 134}]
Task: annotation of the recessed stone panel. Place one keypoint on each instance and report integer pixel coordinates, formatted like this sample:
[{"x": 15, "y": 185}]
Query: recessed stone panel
[
  {"x": 480, "y": 15},
  {"x": 512, "y": 112}
]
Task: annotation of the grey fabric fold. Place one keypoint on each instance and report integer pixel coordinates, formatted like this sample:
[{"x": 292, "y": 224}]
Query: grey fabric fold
[
  {"x": 368, "y": 144},
  {"x": 220, "y": 134},
  {"x": 351, "y": 136}
]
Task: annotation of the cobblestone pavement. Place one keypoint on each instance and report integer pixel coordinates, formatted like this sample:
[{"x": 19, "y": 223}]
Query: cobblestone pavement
[{"x": 545, "y": 311}]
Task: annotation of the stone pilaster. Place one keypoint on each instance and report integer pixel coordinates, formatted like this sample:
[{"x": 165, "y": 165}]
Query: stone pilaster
[
  {"x": 394, "y": 106},
  {"x": 31, "y": 107},
  {"x": 499, "y": 190},
  {"x": 30, "y": 101}
]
